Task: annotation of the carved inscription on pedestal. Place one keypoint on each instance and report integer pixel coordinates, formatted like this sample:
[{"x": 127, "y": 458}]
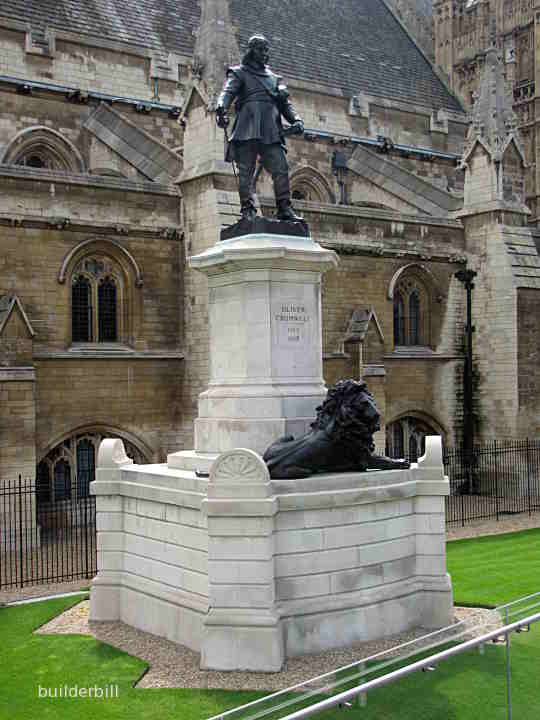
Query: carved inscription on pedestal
[{"x": 292, "y": 322}]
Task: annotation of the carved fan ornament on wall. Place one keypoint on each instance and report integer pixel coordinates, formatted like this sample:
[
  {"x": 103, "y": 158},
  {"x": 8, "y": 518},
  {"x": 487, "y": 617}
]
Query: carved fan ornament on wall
[{"x": 243, "y": 465}]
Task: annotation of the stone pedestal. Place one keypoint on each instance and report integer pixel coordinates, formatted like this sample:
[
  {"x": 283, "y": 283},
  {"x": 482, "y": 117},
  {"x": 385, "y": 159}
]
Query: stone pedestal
[
  {"x": 249, "y": 571},
  {"x": 265, "y": 341},
  {"x": 210, "y": 552}
]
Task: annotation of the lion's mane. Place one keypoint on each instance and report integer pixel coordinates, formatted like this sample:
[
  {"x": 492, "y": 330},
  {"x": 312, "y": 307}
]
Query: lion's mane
[{"x": 345, "y": 419}]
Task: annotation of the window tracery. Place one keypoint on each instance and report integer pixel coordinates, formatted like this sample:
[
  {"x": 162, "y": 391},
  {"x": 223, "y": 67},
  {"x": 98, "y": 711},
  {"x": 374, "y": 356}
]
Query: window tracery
[
  {"x": 67, "y": 470},
  {"x": 41, "y": 147},
  {"x": 96, "y": 300},
  {"x": 406, "y": 438},
  {"x": 308, "y": 184},
  {"x": 411, "y": 312}
]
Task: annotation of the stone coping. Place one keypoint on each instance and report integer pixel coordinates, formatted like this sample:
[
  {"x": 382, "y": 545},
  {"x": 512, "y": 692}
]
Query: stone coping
[
  {"x": 108, "y": 354},
  {"x": 106, "y": 182},
  {"x": 17, "y": 374},
  {"x": 163, "y": 484}
]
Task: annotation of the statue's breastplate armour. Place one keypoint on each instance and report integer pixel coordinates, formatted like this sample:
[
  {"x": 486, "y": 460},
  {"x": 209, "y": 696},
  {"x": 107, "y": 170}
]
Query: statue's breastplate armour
[{"x": 258, "y": 88}]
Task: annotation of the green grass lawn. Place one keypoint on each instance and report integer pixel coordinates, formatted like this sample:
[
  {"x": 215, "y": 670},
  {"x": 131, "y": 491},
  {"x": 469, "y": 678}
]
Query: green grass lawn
[
  {"x": 28, "y": 661},
  {"x": 496, "y": 569},
  {"x": 485, "y": 571},
  {"x": 467, "y": 687}
]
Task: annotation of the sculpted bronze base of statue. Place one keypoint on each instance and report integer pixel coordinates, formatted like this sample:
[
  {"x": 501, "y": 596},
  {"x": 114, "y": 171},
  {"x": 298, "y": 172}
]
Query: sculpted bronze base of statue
[
  {"x": 266, "y": 226},
  {"x": 261, "y": 100},
  {"x": 341, "y": 439}
]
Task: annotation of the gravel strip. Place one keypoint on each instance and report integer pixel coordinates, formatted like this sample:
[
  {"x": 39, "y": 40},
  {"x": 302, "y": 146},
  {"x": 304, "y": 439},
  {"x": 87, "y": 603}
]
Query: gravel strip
[
  {"x": 71, "y": 622},
  {"x": 42, "y": 590},
  {"x": 175, "y": 666},
  {"x": 512, "y": 523}
]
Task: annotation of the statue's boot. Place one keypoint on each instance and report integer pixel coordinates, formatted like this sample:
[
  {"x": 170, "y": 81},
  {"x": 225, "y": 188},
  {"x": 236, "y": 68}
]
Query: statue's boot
[
  {"x": 248, "y": 211},
  {"x": 245, "y": 189},
  {"x": 282, "y": 191}
]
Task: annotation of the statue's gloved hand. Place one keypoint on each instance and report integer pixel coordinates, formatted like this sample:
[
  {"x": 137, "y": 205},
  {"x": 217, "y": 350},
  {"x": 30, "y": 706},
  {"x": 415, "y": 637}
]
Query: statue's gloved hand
[
  {"x": 298, "y": 126},
  {"x": 222, "y": 117}
]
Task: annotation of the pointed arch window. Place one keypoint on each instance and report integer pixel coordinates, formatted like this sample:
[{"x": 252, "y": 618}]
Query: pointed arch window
[
  {"x": 97, "y": 301},
  {"x": 67, "y": 470},
  {"x": 406, "y": 437},
  {"x": 411, "y": 312},
  {"x": 43, "y": 148},
  {"x": 309, "y": 184}
]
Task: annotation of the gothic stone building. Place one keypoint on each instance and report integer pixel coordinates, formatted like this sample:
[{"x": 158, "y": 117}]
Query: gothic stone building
[{"x": 112, "y": 175}]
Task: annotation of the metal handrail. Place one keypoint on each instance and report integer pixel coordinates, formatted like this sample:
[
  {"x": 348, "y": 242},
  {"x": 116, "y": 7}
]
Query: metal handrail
[
  {"x": 518, "y": 601},
  {"x": 362, "y": 662},
  {"x": 411, "y": 648},
  {"x": 347, "y": 695}
]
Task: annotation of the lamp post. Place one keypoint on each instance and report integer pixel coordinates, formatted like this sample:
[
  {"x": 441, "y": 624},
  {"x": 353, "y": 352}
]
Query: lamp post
[{"x": 466, "y": 277}]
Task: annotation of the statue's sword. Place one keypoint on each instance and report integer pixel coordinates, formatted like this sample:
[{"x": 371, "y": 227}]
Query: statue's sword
[{"x": 232, "y": 160}]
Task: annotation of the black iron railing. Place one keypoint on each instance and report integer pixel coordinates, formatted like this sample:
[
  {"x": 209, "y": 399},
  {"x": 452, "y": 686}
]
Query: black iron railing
[
  {"x": 493, "y": 479},
  {"x": 45, "y": 542}
]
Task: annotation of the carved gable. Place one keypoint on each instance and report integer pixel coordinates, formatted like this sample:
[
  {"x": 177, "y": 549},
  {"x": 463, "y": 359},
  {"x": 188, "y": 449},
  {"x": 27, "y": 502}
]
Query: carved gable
[{"x": 16, "y": 333}]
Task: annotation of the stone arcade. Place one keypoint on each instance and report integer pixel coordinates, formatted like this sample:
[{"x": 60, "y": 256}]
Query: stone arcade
[{"x": 208, "y": 551}]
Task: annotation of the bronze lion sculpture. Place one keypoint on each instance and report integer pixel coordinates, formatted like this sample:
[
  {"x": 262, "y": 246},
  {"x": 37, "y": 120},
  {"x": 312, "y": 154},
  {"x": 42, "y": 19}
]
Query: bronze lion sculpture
[{"x": 341, "y": 438}]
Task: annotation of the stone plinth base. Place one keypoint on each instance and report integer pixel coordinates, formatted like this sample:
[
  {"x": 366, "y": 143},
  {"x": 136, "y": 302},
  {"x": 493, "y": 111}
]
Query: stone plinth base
[
  {"x": 249, "y": 571},
  {"x": 268, "y": 226},
  {"x": 264, "y": 313},
  {"x": 242, "y": 641}
]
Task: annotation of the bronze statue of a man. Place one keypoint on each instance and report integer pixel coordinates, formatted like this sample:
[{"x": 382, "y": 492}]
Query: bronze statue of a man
[{"x": 261, "y": 100}]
